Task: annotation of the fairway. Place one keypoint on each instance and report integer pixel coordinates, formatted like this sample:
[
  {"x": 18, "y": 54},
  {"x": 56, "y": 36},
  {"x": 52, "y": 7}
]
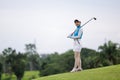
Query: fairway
[{"x": 105, "y": 73}]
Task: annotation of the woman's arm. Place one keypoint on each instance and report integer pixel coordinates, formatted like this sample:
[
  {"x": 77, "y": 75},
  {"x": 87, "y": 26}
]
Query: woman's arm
[{"x": 78, "y": 36}]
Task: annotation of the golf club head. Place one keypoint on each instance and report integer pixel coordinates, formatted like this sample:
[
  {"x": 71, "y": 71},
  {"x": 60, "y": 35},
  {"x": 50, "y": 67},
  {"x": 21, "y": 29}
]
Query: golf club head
[{"x": 94, "y": 18}]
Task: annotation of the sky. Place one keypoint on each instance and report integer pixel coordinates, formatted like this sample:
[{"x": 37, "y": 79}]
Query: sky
[{"x": 47, "y": 23}]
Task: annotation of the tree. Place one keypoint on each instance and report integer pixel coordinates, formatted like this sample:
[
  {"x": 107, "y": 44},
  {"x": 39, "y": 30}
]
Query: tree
[
  {"x": 17, "y": 62},
  {"x": 32, "y": 56},
  {"x": 0, "y": 70},
  {"x": 18, "y": 65},
  {"x": 55, "y": 63},
  {"x": 109, "y": 52},
  {"x": 30, "y": 48},
  {"x": 89, "y": 58},
  {"x": 6, "y": 66}
]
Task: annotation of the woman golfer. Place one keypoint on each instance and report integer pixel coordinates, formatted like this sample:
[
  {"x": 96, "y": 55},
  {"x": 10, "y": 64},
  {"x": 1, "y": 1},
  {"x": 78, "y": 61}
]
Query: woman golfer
[{"x": 76, "y": 36}]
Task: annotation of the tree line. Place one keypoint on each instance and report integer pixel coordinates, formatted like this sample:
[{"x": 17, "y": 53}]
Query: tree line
[{"x": 13, "y": 62}]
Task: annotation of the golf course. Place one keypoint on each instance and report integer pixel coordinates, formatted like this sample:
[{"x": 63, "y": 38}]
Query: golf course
[
  {"x": 59, "y": 40},
  {"x": 103, "y": 73}
]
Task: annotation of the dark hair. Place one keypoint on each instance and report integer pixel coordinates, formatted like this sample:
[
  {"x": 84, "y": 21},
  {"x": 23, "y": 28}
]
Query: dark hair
[{"x": 76, "y": 21}]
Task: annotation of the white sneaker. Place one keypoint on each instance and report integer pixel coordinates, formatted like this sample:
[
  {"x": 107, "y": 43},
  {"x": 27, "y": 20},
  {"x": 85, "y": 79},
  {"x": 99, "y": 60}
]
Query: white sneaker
[
  {"x": 73, "y": 70},
  {"x": 79, "y": 69}
]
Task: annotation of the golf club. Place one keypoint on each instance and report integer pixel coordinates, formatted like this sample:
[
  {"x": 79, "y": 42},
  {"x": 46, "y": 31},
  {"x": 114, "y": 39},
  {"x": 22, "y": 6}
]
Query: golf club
[{"x": 89, "y": 21}]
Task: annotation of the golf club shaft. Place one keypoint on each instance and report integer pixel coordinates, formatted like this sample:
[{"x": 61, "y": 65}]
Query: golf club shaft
[{"x": 87, "y": 22}]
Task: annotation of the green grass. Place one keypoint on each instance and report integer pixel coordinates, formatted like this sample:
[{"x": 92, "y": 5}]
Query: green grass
[
  {"x": 27, "y": 76},
  {"x": 105, "y": 73}
]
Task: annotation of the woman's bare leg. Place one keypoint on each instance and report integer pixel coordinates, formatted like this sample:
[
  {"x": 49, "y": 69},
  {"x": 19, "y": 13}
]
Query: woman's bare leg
[
  {"x": 78, "y": 60},
  {"x": 75, "y": 63}
]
